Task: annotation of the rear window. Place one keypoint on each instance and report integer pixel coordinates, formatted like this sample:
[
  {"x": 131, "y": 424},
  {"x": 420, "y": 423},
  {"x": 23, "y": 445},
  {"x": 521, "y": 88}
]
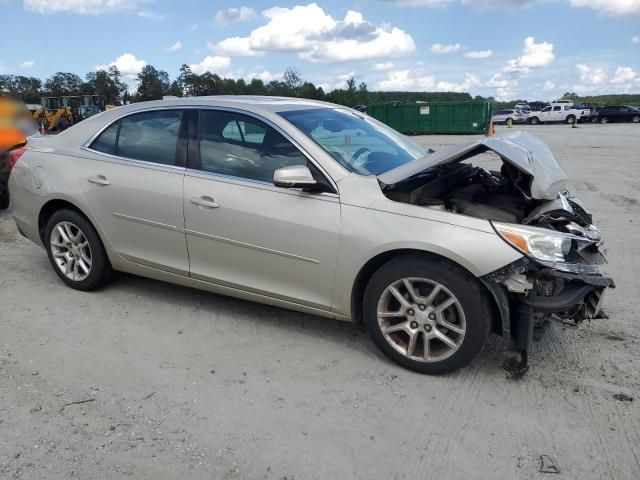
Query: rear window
[{"x": 148, "y": 136}]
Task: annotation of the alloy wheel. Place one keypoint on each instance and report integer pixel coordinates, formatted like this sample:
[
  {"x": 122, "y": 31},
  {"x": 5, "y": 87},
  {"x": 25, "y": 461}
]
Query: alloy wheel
[
  {"x": 421, "y": 319},
  {"x": 71, "y": 251},
  {"x": 636, "y": 119}
]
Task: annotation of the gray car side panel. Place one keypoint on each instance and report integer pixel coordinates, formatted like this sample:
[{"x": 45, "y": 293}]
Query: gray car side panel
[{"x": 383, "y": 225}]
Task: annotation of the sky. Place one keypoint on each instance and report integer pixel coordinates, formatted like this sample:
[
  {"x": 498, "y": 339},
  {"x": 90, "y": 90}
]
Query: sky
[{"x": 509, "y": 49}]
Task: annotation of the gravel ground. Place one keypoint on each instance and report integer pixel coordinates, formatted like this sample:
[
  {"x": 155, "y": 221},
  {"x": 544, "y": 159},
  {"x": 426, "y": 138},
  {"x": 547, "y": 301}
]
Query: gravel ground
[{"x": 176, "y": 383}]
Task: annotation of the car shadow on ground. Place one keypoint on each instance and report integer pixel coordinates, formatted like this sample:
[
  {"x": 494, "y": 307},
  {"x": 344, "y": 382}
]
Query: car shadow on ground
[{"x": 343, "y": 334}]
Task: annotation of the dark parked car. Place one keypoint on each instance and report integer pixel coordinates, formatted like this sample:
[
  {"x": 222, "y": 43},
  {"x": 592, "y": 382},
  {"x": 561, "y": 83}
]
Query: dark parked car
[
  {"x": 593, "y": 114},
  {"x": 619, "y": 113}
]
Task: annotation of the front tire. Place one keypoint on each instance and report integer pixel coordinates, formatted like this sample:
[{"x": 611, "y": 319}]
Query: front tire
[
  {"x": 636, "y": 119},
  {"x": 427, "y": 315},
  {"x": 76, "y": 251}
]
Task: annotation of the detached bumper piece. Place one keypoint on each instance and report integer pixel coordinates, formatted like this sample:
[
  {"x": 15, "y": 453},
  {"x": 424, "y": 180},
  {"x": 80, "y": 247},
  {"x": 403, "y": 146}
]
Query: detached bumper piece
[
  {"x": 568, "y": 295},
  {"x": 529, "y": 297}
]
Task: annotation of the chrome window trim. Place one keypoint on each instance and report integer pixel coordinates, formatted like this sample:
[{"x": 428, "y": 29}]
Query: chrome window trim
[
  {"x": 135, "y": 161},
  {"x": 86, "y": 145},
  {"x": 195, "y": 173}
]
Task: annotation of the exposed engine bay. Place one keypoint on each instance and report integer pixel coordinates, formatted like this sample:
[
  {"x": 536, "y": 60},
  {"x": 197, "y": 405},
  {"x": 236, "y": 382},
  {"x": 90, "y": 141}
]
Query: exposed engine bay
[
  {"x": 529, "y": 207},
  {"x": 502, "y": 196}
]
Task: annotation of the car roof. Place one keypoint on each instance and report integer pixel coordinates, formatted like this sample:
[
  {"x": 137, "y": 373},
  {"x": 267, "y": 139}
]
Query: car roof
[
  {"x": 253, "y": 103},
  {"x": 263, "y": 106}
]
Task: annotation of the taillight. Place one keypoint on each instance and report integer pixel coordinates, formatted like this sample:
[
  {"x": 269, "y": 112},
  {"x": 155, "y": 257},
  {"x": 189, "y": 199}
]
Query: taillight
[{"x": 14, "y": 155}]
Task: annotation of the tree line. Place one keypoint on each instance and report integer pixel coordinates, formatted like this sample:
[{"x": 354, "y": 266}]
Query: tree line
[{"x": 153, "y": 84}]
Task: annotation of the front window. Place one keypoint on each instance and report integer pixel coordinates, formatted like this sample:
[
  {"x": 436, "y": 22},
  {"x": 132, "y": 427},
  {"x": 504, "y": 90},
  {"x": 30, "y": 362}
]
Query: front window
[
  {"x": 361, "y": 145},
  {"x": 242, "y": 146}
]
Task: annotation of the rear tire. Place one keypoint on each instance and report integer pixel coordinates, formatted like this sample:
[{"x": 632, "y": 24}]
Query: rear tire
[
  {"x": 571, "y": 119},
  {"x": 604, "y": 120},
  {"x": 636, "y": 119},
  {"x": 76, "y": 251},
  {"x": 454, "y": 321}
]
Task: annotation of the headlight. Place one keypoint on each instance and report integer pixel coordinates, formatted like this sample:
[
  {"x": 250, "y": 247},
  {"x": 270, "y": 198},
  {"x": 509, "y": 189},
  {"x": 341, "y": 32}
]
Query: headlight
[{"x": 544, "y": 245}]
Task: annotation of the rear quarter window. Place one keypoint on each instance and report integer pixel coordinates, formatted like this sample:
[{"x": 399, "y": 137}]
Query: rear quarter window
[
  {"x": 106, "y": 142},
  {"x": 148, "y": 136}
]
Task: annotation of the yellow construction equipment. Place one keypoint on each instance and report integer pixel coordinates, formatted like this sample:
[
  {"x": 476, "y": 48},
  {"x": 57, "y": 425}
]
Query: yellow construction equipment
[{"x": 59, "y": 113}]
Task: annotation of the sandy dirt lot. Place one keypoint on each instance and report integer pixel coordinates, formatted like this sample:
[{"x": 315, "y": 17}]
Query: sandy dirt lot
[{"x": 180, "y": 384}]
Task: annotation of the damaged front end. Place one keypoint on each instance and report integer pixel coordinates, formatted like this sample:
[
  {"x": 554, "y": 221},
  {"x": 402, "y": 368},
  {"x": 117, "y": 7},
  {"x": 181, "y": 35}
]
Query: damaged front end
[{"x": 529, "y": 208}]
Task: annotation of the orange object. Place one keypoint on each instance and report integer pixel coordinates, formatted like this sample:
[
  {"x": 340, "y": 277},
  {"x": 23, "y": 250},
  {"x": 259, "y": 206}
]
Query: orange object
[
  {"x": 42, "y": 128},
  {"x": 517, "y": 241},
  {"x": 491, "y": 130},
  {"x": 10, "y": 137}
]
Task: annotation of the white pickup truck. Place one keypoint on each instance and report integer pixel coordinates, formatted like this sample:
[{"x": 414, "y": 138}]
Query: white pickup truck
[{"x": 560, "y": 112}]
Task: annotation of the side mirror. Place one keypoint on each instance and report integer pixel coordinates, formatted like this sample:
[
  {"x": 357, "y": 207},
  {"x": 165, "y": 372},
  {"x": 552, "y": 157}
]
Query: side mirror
[{"x": 294, "y": 176}]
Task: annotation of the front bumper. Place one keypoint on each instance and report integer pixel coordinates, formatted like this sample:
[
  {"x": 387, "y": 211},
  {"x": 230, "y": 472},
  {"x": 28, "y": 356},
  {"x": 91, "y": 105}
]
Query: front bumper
[{"x": 529, "y": 295}]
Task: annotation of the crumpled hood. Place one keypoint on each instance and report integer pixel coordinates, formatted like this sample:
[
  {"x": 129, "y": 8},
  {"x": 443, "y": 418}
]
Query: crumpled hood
[{"x": 520, "y": 149}]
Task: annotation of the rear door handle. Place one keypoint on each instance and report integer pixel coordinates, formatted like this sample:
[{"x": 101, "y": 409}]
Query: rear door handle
[
  {"x": 99, "y": 180},
  {"x": 204, "y": 201}
]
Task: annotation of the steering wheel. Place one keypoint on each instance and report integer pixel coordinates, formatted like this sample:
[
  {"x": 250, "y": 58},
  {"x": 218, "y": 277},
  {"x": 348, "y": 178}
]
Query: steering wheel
[{"x": 359, "y": 152}]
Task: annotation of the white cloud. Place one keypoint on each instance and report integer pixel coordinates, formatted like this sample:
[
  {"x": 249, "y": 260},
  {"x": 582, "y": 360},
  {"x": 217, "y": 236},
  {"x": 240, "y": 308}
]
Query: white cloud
[
  {"x": 407, "y": 80},
  {"x": 210, "y": 64},
  {"x": 128, "y": 65},
  {"x": 148, "y": 14},
  {"x": 232, "y": 15},
  {"x": 506, "y": 87},
  {"x": 549, "y": 85},
  {"x": 635, "y": 39},
  {"x": 464, "y": 86},
  {"x": 420, "y": 3},
  {"x": 478, "y": 54},
  {"x": 610, "y": 7},
  {"x": 383, "y": 67},
  {"x": 591, "y": 77},
  {"x": 597, "y": 80},
  {"x": 498, "y": 3},
  {"x": 534, "y": 55},
  {"x": 317, "y": 37},
  {"x": 175, "y": 47},
  {"x": 441, "y": 49},
  {"x": 235, "y": 46},
  {"x": 264, "y": 75},
  {"x": 27, "y": 64},
  {"x": 623, "y": 75},
  {"x": 84, "y": 7}
]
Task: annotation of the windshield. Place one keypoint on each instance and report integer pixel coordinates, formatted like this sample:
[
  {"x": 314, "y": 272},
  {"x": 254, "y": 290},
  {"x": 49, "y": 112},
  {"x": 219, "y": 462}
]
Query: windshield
[{"x": 361, "y": 145}]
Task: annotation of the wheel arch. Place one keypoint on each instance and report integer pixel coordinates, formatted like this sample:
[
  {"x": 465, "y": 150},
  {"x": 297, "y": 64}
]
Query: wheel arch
[
  {"x": 373, "y": 264},
  {"x": 52, "y": 206}
]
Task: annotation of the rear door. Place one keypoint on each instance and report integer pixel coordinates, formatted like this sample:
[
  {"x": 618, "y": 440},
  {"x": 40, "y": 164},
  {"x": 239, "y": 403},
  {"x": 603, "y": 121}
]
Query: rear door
[
  {"x": 132, "y": 178},
  {"x": 246, "y": 233}
]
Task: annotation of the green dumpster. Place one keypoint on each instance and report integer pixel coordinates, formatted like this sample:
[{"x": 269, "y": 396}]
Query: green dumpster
[{"x": 437, "y": 117}]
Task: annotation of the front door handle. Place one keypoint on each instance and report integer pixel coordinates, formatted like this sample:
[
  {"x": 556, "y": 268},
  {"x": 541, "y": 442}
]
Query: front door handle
[
  {"x": 99, "y": 180},
  {"x": 205, "y": 202}
]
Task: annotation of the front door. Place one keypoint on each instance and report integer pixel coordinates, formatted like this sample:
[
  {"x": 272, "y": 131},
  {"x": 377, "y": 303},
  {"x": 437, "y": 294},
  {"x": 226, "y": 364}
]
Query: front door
[
  {"x": 244, "y": 232},
  {"x": 133, "y": 185}
]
